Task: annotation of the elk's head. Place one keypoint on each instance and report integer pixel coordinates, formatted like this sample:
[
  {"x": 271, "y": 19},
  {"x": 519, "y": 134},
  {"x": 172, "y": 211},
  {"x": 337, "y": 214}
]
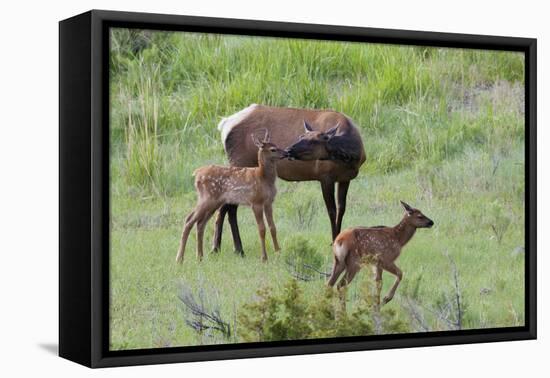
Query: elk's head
[
  {"x": 416, "y": 218},
  {"x": 268, "y": 151},
  {"x": 312, "y": 145}
]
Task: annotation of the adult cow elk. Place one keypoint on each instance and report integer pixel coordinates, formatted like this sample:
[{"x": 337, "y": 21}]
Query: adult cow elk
[{"x": 325, "y": 146}]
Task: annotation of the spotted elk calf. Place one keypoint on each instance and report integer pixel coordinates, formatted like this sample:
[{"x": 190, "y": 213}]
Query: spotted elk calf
[
  {"x": 379, "y": 245},
  {"x": 254, "y": 187}
]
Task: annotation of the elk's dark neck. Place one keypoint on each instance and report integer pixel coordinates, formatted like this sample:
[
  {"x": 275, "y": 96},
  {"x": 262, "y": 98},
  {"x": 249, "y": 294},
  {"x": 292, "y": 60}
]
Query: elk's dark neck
[
  {"x": 404, "y": 231},
  {"x": 267, "y": 168}
]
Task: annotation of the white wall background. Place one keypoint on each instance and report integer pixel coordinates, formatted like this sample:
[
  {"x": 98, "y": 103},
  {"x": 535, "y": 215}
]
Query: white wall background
[{"x": 29, "y": 185}]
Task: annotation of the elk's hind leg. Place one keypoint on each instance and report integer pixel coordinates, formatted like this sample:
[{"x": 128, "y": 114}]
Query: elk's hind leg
[
  {"x": 351, "y": 271},
  {"x": 217, "y": 241},
  {"x": 231, "y": 211},
  {"x": 202, "y": 220},
  {"x": 337, "y": 269},
  {"x": 232, "y": 214}
]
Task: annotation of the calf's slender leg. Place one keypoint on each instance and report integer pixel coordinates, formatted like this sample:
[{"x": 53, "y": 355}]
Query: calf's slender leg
[
  {"x": 393, "y": 269},
  {"x": 259, "y": 214},
  {"x": 201, "y": 225},
  {"x": 351, "y": 271},
  {"x": 337, "y": 269},
  {"x": 189, "y": 222},
  {"x": 194, "y": 217},
  {"x": 268, "y": 209},
  {"x": 200, "y": 236},
  {"x": 378, "y": 280}
]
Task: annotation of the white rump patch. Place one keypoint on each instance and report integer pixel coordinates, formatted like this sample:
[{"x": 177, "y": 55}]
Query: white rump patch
[
  {"x": 340, "y": 251},
  {"x": 227, "y": 123}
]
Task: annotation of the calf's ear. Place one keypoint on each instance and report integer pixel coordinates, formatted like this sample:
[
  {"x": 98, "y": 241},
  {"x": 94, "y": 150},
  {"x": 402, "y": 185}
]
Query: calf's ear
[
  {"x": 256, "y": 141},
  {"x": 407, "y": 207}
]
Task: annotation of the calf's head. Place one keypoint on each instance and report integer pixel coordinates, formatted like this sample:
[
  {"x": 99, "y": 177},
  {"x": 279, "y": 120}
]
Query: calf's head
[
  {"x": 416, "y": 218},
  {"x": 269, "y": 151}
]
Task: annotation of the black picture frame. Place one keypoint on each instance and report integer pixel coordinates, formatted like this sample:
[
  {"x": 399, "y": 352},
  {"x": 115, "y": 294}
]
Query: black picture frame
[{"x": 84, "y": 187}]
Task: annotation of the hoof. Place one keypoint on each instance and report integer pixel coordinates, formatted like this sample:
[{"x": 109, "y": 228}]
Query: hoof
[{"x": 386, "y": 300}]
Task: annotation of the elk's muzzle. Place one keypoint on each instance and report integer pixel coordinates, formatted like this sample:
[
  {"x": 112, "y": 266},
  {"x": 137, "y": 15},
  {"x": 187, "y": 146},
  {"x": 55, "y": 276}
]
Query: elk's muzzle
[{"x": 290, "y": 153}]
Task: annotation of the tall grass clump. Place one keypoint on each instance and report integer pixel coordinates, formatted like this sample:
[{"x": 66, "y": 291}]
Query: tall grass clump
[{"x": 142, "y": 127}]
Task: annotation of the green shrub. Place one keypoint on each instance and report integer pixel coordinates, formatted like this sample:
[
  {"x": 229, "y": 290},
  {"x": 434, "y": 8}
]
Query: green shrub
[
  {"x": 275, "y": 317},
  {"x": 290, "y": 315}
]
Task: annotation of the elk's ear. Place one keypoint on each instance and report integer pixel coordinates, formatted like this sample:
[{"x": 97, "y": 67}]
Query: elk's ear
[
  {"x": 267, "y": 137},
  {"x": 407, "y": 208},
  {"x": 332, "y": 131},
  {"x": 307, "y": 127},
  {"x": 256, "y": 141}
]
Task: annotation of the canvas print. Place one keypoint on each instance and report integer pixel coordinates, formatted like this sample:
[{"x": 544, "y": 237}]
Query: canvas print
[{"x": 277, "y": 189}]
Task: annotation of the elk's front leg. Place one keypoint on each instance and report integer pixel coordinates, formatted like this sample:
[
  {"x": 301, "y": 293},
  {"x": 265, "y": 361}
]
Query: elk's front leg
[
  {"x": 393, "y": 269},
  {"x": 342, "y": 195},
  {"x": 327, "y": 187},
  {"x": 259, "y": 214},
  {"x": 268, "y": 209}
]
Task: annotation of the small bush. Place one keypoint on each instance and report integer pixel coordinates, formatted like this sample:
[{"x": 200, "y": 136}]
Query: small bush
[
  {"x": 203, "y": 314},
  {"x": 275, "y": 317},
  {"x": 290, "y": 315}
]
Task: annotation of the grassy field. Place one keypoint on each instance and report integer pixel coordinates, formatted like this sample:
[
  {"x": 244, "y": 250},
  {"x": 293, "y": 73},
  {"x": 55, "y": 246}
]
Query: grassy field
[{"x": 443, "y": 130}]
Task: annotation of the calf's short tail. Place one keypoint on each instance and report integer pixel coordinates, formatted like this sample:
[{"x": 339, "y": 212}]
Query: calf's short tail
[{"x": 340, "y": 250}]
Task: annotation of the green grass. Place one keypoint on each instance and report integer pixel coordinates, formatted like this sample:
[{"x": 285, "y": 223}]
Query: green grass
[{"x": 443, "y": 130}]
